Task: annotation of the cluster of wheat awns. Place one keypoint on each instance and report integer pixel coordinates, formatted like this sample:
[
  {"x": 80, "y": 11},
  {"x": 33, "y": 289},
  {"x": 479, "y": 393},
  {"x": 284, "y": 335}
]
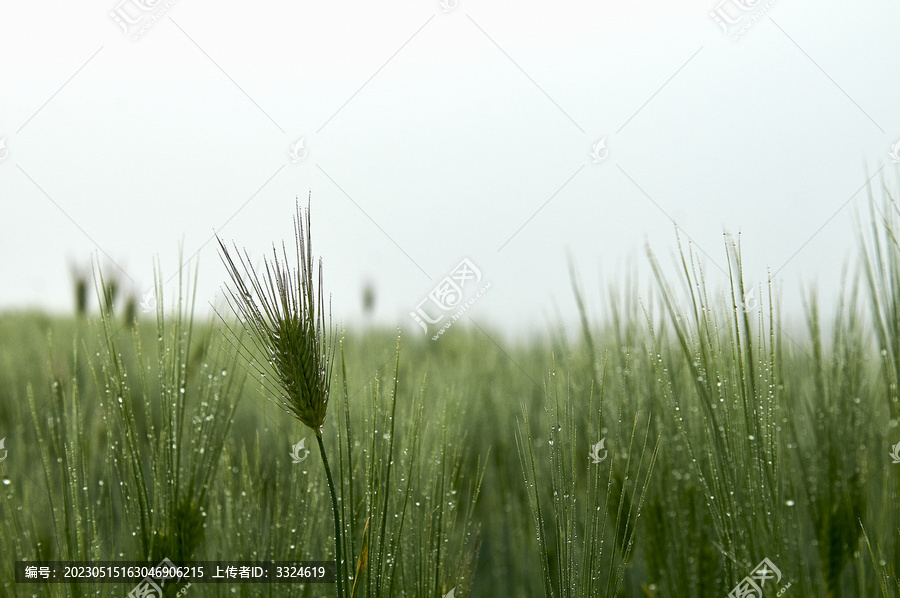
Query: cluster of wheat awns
[{"x": 283, "y": 313}]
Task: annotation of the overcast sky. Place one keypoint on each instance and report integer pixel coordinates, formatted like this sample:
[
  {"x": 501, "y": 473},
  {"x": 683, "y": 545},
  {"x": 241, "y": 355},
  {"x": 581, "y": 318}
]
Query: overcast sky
[{"x": 433, "y": 133}]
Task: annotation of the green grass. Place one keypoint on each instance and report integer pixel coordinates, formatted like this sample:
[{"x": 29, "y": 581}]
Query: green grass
[{"x": 729, "y": 437}]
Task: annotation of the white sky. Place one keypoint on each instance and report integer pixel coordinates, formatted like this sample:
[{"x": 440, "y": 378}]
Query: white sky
[{"x": 435, "y": 136}]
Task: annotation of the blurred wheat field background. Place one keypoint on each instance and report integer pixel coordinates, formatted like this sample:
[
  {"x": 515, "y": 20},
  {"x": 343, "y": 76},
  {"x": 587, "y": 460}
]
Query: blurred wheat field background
[{"x": 665, "y": 452}]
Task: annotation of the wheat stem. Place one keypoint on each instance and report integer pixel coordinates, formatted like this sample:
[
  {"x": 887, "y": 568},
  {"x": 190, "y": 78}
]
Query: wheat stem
[{"x": 337, "y": 519}]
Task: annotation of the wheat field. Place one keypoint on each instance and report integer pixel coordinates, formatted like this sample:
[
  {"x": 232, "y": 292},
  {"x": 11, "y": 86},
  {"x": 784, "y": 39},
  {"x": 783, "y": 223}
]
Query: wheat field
[{"x": 685, "y": 446}]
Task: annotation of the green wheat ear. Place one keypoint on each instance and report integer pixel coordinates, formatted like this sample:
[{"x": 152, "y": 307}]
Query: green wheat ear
[{"x": 284, "y": 313}]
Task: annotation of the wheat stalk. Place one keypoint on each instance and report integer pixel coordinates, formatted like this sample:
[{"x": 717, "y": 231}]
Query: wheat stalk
[{"x": 284, "y": 313}]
